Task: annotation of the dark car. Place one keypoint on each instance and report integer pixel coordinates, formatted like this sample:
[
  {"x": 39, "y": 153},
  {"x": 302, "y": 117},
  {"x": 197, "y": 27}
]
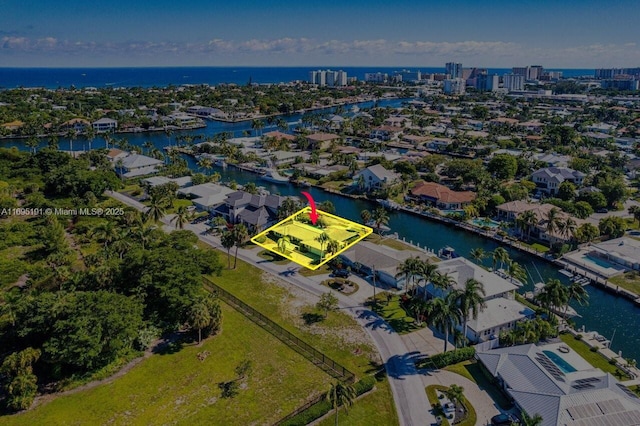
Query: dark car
[
  {"x": 602, "y": 211},
  {"x": 341, "y": 273},
  {"x": 503, "y": 419}
]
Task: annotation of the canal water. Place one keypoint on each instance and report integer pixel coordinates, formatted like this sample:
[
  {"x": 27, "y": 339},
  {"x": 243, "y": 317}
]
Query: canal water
[{"x": 605, "y": 313}]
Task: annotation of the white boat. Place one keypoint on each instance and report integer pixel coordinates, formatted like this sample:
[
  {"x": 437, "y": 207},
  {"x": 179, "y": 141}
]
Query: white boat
[
  {"x": 274, "y": 177},
  {"x": 447, "y": 253},
  {"x": 566, "y": 273}
]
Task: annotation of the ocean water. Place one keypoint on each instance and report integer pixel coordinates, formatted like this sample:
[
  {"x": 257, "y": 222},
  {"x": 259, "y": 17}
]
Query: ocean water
[{"x": 163, "y": 76}]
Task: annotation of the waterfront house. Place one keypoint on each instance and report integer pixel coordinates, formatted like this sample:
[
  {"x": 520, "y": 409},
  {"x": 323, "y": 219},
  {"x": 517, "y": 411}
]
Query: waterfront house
[
  {"x": 257, "y": 212},
  {"x": 133, "y": 165},
  {"x": 376, "y": 177},
  {"x": 414, "y": 139},
  {"x": 207, "y": 196},
  {"x": 152, "y": 182},
  {"x": 440, "y": 196},
  {"x": 76, "y": 124},
  {"x": 623, "y": 251},
  {"x": 502, "y": 311},
  {"x": 321, "y": 140},
  {"x": 548, "y": 180},
  {"x": 13, "y": 125},
  {"x": 105, "y": 124},
  {"x": 555, "y": 382}
]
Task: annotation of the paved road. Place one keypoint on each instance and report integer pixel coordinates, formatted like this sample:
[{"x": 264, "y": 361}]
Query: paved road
[{"x": 406, "y": 382}]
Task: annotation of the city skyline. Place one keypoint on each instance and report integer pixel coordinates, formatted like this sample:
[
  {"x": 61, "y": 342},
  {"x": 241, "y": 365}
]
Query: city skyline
[{"x": 574, "y": 34}]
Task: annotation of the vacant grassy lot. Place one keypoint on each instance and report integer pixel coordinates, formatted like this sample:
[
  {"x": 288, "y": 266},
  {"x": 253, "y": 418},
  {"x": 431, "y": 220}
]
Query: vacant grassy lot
[
  {"x": 592, "y": 358},
  {"x": 177, "y": 388},
  {"x": 338, "y": 336},
  {"x": 396, "y": 316}
]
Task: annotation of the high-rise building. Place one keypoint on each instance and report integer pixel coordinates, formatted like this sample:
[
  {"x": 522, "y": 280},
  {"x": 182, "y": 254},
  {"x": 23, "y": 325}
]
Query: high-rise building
[
  {"x": 608, "y": 73},
  {"x": 532, "y": 72},
  {"x": 328, "y": 78},
  {"x": 406, "y": 75},
  {"x": 376, "y": 77},
  {"x": 620, "y": 84},
  {"x": 454, "y": 69},
  {"x": 513, "y": 82},
  {"x": 487, "y": 83},
  {"x": 454, "y": 86}
]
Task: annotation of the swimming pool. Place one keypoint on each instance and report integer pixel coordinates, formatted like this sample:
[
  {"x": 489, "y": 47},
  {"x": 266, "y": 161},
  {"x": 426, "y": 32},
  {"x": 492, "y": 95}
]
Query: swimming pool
[
  {"x": 482, "y": 222},
  {"x": 563, "y": 365},
  {"x": 597, "y": 261}
]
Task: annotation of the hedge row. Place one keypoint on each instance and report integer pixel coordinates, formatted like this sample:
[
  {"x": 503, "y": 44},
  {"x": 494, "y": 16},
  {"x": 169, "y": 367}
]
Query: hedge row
[
  {"x": 448, "y": 358},
  {"x": 322, "y": 407}
]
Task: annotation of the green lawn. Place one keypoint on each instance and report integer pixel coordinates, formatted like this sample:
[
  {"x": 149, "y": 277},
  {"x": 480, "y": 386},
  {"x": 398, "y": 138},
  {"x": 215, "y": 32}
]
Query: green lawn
[
  {"x": 537, "y": 247},
  {"x": 273, "y": 257},
  {"x": 629, "y": 281},
  {"x": 473, "y": 371},
  {"x": 375, "y": 408},
  {"x": 252, "y": 286},
  {"x": 592, "y": 358},
  {"x": 324, "y": 269},
  {"x": 178, "y": 388},
  {"x": 396, "y": 316}
]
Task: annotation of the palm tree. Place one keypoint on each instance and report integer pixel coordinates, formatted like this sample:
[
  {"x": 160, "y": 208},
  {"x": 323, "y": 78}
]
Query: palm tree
[
  {"x": 408, "y": 270},
  {"x": 536, "y": 420},
  {"x": 455, "y": 394},
  {"x": 32, "y": 144},
  {"x": 322, "y": 239},
  {"x": 106, "y": 232},
  {"x": 205, "y": 163},
  {"x": 569, "y": 227},
  {"x": 577, "y": 292},
  {"x": 553, "y": 219},
  {"x": 529, "y": 219},
  {"x": 71, "y": 134},
  {"x": 228, "y": 240},
  {"x": 553, "y": 295},
  {"x": 340, "y": 394},
  {"x": 380, "y": 217},
  {"x": 478, "y": 254},
  {"x": 282, "y": 243},
  {"x": 240, "y": 233},
  {"x": 156, "y": 210},
  {"x": 471, "y": 211},
  {"x": 501, "y": 255},
  {"x": 90, "y": 134},
  {"x": 442, "y": 282},
  {"x": 635, "y": 212},
  {"x": 333, "y": 246},
  {"x": 53, "y": 142},
  {"x": 257, "y": 125},
  {"x": 365, "y": 215},
  {"x": 471, "y": 300},
  {"x": 515, "y": 271},
  {"x": 199, "y": 317},
  {"x": 220, "y": 223},
  {"x": 445, "y": 314},
  {"x": 182, "y": 217}
]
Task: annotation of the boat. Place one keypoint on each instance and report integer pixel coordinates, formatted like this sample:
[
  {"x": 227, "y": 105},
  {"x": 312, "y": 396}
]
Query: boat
[
  {"x": 274, "y": 177},
  {"x": 447, "y": 252},
  {"x": 566, "y": 273}
]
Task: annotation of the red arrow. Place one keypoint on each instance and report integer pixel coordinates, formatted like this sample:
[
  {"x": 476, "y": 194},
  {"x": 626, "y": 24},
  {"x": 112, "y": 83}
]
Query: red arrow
[{"x": 313, "y": 215}]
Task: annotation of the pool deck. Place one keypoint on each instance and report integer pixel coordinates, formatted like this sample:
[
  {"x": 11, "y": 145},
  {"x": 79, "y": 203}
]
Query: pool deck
[{"x": 578, "y": 258}]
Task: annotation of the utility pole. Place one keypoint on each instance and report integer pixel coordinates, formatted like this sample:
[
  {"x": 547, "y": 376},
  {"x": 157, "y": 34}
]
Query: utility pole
[{"x": 375, "y": 301}]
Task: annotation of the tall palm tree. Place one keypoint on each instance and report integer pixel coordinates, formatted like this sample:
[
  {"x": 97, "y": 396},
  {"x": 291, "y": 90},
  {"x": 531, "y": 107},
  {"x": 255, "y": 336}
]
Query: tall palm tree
[
  {"x": 535, "y": 420},
  {"x": 182, "y": 217},
  {"x": 156, "y": 210},
  {"x": 72, "y": 135},
  {"x": 553, "y": 219},
  {"x": 408, "y": 269},
  {"x": 240, "y": 234},
  {"x": 257, "y": 125},
  {"x": 227, "y": 239},
  {"x": 340, "y": 394},
  {"x": 32, "y": 144},
  {"x": 380, "y": 217},
  {"x": 442, "y": 282},
  {"x": 106, "y": 232},
  {"x": 478, "y": 254},
  {"x": 53, "y": 142},
  {"x": 333, "y": 246},
  {"x": 553, "y": 295},
  {"x": 471, "y": 301},
  {"x": 205, "y": 164},
  {"x": 455, "y": 393},
  {"x": 516, "y": 271},
  {"x": 445, "y": 314},
  {"x": 283, "y": 243},
  {"x": 577, "y": 292},
  {"x": 199, "y": 317},
  {"x": 500, "y": 255},
  {"x": 148, "y": 145},
  {"x": 569, "y": 227},
  {"x": 365, "y": 215},
  {"x": 322, "y": 239},
  {"x": 220, "y": 223}
]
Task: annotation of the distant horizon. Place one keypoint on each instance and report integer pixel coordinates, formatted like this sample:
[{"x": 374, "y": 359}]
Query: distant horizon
[{"x": 308, "y": 66}]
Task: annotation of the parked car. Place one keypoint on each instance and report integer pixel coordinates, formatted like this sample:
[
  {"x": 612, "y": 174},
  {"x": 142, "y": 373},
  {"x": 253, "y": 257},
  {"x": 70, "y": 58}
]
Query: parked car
[
  {"x": 341, "y": 273},
  {"x": 503, "y": 419},
  {"x": 602, "y": 211}
]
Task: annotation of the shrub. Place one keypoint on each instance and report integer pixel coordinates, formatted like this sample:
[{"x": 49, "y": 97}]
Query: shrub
[
  {"x": 578, "y": 336},
  {"x": 593, "y": 349},
  {"x": 452, "y": 357},
  {"x": 261, "y": 239}
]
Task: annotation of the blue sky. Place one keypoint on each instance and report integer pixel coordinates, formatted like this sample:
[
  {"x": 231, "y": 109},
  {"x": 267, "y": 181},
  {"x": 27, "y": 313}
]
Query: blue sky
[{"x": 492, "y": 33}]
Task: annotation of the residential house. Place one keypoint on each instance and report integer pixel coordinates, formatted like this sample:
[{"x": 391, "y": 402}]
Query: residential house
[
  {"x": 441, "y": 197},
  {"x": 182, "y": 182},
  {"x": 501, "y": 312},
  {"x": 76, "y": 124},
  {"x": 438, "y": 144},
  {"x": 555, "y": 382},
  {"x": 257, "y": 212},
  {"x": 207, "y": 196},
  {"x": 105, "y": 124},
  {"x": 133, "y": 165},
  {"x": 321, "y": 140},
  {"x": 623, "y": 251},
  {"x": 397, "y": 121},
  {"x": 548, "y": 180},
  {"x": 552, "y": 159},
  {"x": 376, "y": 177},
  {"x": 385, "y": 133},
  {"x": 366, "y": 256},
  {"x": 415, "y": 140}
]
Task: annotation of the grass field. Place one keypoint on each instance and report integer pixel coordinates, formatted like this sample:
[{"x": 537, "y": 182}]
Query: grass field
[
  {"x": 177, "y": 388},
  {"x": 375, "y": 408},
  {"x": 592, "y": 358},
  {"x": 248, "y": 283},
  {"x": 629, "y": 281}
]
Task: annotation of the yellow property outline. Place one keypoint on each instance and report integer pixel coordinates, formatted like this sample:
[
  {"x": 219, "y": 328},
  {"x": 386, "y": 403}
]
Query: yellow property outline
[{"x": 365, "y": 231}]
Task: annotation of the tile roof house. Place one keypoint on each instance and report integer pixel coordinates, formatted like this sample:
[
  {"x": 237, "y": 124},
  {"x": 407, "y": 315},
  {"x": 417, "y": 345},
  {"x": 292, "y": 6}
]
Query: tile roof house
[
  {"x": 549, "y": 179},
  {"x": 321, "y": 140},
  {"x": 440, "y": 196},
  {"x": 376, "y": 177},
  {"x": 558, "y": 384}
]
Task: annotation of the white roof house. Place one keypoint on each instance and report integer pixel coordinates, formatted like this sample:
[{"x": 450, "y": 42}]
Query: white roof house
[
  {"x": 558, "y": 384},
  {"x": 623, "y": 251},
  {"x": 207, "y": 196},
  {"x": 376, "y": 177}
]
